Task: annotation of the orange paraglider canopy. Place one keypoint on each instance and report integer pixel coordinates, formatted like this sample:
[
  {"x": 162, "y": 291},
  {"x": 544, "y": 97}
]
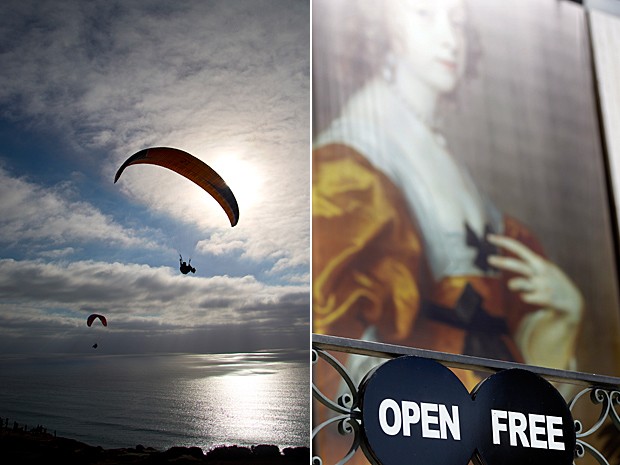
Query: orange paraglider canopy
[
  {"x": 191, "y": 168},
  {"x": 94, "y": 316}
]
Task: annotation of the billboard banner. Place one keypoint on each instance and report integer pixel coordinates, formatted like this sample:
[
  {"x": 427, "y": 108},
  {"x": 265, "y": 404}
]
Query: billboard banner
[{"x": 460, "y": 198}]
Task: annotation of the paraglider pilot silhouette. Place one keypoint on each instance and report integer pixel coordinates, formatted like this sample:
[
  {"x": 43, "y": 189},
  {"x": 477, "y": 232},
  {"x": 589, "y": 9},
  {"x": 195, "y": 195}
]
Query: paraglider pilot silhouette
[{"x": 186, "y": 267}]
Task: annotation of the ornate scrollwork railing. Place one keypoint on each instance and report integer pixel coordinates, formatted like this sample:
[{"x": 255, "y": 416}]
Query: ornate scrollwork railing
[
  {"x": 603, "y": 392},
  {"x": 608, "y": 399}
]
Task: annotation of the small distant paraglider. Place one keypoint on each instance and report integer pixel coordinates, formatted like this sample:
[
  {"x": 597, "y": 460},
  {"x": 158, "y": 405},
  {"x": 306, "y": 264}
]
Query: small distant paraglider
[
  {"x": 191, "y": 168},
  {"x": 95, "y": 316}
]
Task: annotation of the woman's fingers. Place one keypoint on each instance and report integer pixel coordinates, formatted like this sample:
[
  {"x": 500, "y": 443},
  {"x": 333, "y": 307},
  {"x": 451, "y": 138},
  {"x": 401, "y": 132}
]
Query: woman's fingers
[
  {"x": 526, "y": 262},
  {"x": 514, "y": 246},
  {"x": 537, "y": 298},
  {"x": 538, "y": 281},
  {"x": 521, "y": 285},
  {"x": 511, "y": 264}
]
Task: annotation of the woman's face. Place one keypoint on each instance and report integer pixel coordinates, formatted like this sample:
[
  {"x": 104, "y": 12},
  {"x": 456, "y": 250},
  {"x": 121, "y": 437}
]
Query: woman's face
[{"x": 429, "y": 41}]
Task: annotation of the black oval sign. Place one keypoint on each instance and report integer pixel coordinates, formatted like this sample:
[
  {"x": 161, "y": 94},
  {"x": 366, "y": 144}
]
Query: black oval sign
[
  {"x": 413, "y": 411},
  {"x": 522, "y": 418}
]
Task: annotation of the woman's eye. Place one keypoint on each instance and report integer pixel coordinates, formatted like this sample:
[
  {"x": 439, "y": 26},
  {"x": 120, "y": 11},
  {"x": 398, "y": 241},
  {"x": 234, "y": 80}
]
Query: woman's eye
[
  {"x": 423, "y": 12},
  {"x": 457, "y": 20}
]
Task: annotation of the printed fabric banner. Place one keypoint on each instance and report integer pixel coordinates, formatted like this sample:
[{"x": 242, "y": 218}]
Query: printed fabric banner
[{"x": 460, "y": 199}]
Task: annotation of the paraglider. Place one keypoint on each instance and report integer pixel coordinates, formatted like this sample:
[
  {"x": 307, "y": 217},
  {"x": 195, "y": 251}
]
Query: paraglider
[
  {"x": 191, "y": 168},
  {"x": 186, "y": 267},
  {"x": 94, "y": 316}
]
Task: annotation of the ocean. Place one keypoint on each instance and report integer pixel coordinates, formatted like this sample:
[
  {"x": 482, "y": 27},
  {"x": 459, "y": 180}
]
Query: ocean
[{"x": 160, "y": 401}]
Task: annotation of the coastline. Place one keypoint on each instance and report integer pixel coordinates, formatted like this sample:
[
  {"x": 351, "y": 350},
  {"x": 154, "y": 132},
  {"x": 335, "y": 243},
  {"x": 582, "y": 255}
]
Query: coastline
[{"x": 37, "y": 447}]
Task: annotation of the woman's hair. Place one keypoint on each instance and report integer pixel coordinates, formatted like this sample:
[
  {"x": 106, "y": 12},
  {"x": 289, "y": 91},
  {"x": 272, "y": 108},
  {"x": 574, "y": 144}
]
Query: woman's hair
[{"x": 351, "y": 43}]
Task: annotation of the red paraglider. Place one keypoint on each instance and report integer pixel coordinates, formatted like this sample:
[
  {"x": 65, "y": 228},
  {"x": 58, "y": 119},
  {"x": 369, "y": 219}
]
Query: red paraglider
[
  {"x": 191, "y": 168},
  {"x": 94, "y": 316}
]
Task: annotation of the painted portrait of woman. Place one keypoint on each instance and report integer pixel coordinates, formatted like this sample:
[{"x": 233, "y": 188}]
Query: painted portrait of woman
[{"x": 416, "y": 237}]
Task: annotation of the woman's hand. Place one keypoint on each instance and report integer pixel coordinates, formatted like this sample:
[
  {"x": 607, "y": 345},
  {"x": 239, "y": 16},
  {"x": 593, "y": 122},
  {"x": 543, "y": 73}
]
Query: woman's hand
[{"x": 546, "y": 337}]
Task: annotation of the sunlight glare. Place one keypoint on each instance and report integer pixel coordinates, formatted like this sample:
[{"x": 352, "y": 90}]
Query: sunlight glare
[
  {"x": 243, "y": 176},
  {"x": 240, "y": 408}
]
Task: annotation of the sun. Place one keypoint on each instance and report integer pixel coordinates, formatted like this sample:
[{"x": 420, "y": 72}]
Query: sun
[{"x": 242, "y": 176}]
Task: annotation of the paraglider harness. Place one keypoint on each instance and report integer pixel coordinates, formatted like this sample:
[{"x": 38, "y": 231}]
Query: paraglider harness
[{"x": 186, "y": 267}]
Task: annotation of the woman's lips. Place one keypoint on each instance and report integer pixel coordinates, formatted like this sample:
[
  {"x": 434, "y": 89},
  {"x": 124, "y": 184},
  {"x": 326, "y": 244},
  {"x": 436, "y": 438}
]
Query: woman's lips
[{"x": 449, "y": 64}]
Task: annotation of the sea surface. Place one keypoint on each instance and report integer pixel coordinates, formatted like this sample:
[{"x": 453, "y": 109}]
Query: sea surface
[{"x": 161, "y": 401}]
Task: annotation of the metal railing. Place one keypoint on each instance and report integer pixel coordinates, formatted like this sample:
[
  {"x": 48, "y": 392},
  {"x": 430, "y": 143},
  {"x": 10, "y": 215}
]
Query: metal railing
[{"x": 603, "y": 393}]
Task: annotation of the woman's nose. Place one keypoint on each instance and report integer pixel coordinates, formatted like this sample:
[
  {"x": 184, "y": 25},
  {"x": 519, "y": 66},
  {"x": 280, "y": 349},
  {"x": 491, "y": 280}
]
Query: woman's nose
[{"x": 446, "y": 31}]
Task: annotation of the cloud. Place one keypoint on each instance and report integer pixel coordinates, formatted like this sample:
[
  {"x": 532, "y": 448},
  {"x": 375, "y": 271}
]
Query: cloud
[
  {"x": 161, "y": 295},
  {"x": 219, "y": 245},
  {"x": 144, "y": 305},
  {"x": 49, "y": 215},
  {"x": 57, "y": 253}
]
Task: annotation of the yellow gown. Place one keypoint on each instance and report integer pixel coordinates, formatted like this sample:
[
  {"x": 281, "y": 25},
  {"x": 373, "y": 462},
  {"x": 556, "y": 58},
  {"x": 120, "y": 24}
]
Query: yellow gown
[{"x": 369, "y": 270}]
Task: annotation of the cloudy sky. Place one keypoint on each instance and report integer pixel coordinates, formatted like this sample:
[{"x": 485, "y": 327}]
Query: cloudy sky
[{"x": 86, "y": 84}]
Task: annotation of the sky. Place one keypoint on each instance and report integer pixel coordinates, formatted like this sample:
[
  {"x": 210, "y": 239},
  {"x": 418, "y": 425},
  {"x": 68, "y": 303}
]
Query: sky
[{"x": 87, "y": 84}]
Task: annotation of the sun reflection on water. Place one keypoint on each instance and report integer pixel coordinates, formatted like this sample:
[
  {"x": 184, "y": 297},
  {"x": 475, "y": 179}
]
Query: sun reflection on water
[{"x": 250, "y": 404}]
